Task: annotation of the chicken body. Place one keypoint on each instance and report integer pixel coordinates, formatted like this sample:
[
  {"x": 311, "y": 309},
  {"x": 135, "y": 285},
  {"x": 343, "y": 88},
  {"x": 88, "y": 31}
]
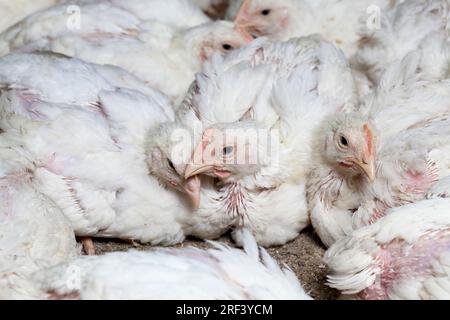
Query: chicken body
[
  {"x": 404, "y": 255},
  {"x": 399, "y": 138},
  {"x": 88, "y": 124},
  {"x": 288, "y": 95},
  {"x": 24, "y": 247},
  {"x": 14, "y": 11},
  {"x": 221, "y": 273},
  {"x": 144, "y": 38}
]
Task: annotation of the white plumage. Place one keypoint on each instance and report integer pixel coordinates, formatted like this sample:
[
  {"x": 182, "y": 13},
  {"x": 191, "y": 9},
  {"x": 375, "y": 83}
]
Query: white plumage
[
  {"x": 221, "y": 273},
  {"x": 407, "y": 26},
  {"x": 291, "y": 87},
  {"x": 145, "y": 39},
  {"x": 180, "y": 14},
  {"x": 338, "y": 21},
  {"x": 14, "y": 11},
  {"x": 399, "y": 140},
  {"x": 34, "y": 232},
  {"x": 402, "y": 256},
  {"x": 89, "y": 149},
  {"x": 88, "y": 125}
]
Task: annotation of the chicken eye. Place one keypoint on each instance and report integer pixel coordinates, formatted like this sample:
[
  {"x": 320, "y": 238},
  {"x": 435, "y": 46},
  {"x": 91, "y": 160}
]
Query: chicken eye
[
  {"x": 227, "y": 150},
  {"x": 343, "y": 141},
  {"x": 265, "y": 12},
  {"x": 171, "y": 165},
  {"x": 227, "y": 47}
]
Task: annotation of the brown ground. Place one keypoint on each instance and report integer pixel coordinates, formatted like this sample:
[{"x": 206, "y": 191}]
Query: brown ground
[{"x": 303, "y": 256}]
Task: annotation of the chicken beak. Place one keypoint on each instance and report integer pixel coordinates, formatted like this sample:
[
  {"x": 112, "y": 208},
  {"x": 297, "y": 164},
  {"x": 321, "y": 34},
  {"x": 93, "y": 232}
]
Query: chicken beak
[
  {"x": 198, "y": 166},
  {"x": 196, "y": 169},
  {"x": 244, "y": 34},
  {"x": 367, "y": 164},
  {"x": 192, "y": 189},
  {"x": 368, "y": 168}
]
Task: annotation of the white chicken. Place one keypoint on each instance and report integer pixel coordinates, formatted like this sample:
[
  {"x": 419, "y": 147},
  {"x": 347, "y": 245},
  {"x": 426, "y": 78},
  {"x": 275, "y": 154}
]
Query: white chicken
[
  {"x": 24, "y": 247},
  {"x": 405, "y": 255},
  {"x": 221, "y": 273},
  {"x": 338, "y": 21},
  {"x": 407, "y": 26},
  {"x": 388, "y": 154},
  {"x": 126, "y": 34},
  {"x": 278, "y": 92},
  {"x": 89, "y": 126},
  {"x": 180, "y": 14},
  {"x": 13, "y": 11}
]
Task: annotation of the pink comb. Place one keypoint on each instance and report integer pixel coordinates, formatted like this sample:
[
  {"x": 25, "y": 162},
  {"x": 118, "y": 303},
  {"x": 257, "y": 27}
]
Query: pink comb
[{"x": 240, "y": 19}]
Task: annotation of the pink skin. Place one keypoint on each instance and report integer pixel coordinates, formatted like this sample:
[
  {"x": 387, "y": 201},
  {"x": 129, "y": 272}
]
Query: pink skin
[
  {"x": 57, "y": 165},
  {"x": 379, "y": 212},
  {"x": 399, "y": 260},
  {"x": 28, "y": 100},
  {"x": 420, "y": 182},
  {"x": 415, "y": 184},
  {"x": 235, "y": 202}
]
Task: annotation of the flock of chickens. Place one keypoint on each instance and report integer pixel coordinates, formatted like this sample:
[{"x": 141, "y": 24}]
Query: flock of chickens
[{"x": 96, "y": 96}]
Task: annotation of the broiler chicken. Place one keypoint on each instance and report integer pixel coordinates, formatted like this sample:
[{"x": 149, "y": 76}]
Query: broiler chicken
[
  {"x": 338, "y": 21},
  {"x": 127, "y": 34},
  {"x": 221, "y": 273},
  {"x": 406, "y": 27},
  {"x": 34, "y": 234},
  {"x": 388, "y": 154},
  {"x": 180, "y": 14},
  {"x": 89, "y": 126},
  {"x": 291, "y": 87},
  {"x": 405, "y": 255}
]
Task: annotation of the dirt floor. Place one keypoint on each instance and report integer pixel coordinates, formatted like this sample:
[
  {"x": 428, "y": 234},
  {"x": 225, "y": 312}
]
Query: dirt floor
[{"x": 303, "y": 256}]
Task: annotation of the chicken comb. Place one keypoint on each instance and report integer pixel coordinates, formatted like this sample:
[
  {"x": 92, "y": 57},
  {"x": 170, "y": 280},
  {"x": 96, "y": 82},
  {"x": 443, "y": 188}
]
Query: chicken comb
[
  {"x": 369, "y": 138},
  {"x": 242, "y": 11}
]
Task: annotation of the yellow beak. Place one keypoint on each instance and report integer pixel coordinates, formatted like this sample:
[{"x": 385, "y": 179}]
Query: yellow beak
[
  {"x": 196, "y": 169},
  {"x": 368, "y": 168}
]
